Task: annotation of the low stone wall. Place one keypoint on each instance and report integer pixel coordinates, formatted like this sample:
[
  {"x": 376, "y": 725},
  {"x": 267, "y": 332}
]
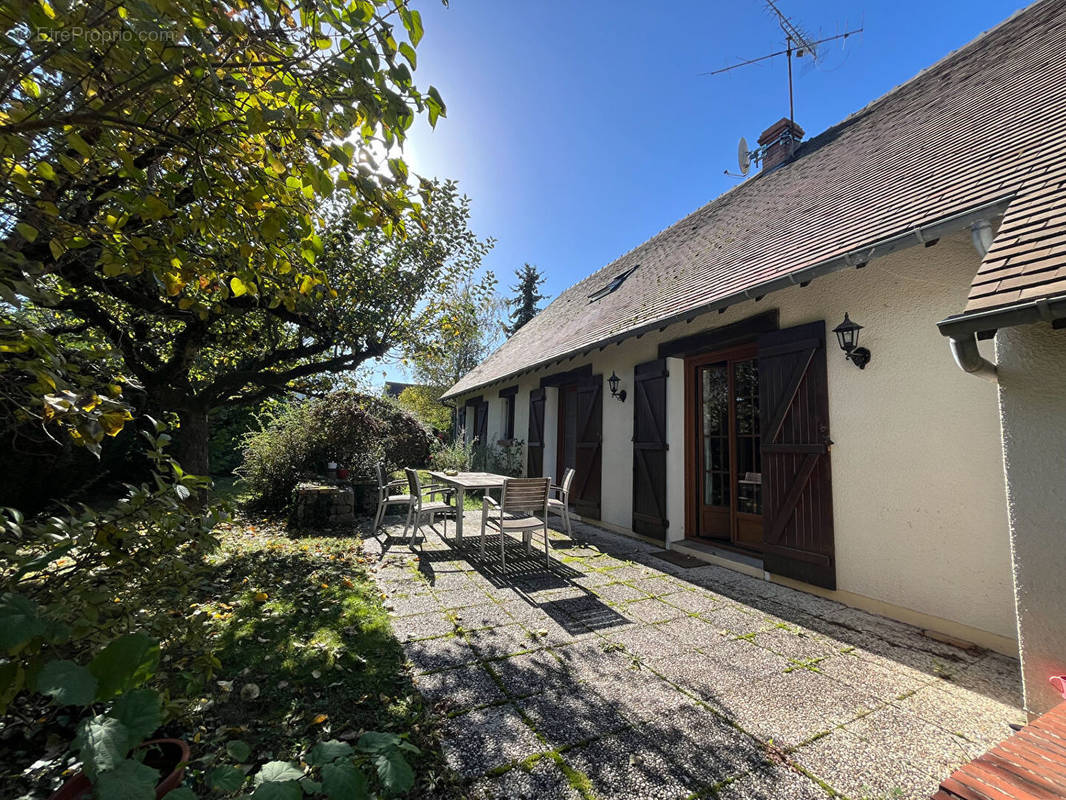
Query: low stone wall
[{"x": 322, "y": 505}]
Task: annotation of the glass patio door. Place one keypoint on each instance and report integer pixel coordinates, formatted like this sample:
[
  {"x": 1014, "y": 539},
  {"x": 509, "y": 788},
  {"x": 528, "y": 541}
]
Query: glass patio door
[{"x": 729, "y": 470}]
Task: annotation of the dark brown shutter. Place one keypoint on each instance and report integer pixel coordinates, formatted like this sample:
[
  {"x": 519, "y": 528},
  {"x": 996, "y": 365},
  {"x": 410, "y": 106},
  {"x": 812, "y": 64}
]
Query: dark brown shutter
[
  {"x": 481, "y": 424},
  {"x": 535, "y": 440},
  {"x": 794, "y": 425},
  {"x": 649, "y": 449},
  {"x": 585, "y": 492}
]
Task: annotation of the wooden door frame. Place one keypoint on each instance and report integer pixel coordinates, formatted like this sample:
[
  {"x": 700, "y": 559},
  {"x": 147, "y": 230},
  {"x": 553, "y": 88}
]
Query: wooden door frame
[{"x": 693, "y": 423}]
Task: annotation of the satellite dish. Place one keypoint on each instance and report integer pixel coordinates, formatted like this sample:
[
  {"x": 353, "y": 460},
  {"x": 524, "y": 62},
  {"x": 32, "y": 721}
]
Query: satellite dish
[{"x": 743, "y": 157}]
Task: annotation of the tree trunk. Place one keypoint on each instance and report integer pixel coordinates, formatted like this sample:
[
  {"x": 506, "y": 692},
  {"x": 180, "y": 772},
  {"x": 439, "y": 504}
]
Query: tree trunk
[{"x": 191, "y": 452}]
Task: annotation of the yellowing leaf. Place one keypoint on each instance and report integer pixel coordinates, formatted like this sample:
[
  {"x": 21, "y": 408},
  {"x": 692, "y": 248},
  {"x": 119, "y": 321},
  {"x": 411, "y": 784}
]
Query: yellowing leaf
[
  {"x": 28, "y": 232},
  {"x": 237, "y": 286}
]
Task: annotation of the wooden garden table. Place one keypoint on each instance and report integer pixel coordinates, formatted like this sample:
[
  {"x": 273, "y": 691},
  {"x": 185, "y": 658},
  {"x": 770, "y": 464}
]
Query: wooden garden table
[{"x": 462, "y": 482}]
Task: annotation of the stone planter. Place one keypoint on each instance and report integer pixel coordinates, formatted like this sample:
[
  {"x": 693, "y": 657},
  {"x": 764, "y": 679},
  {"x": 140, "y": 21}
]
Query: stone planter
[{"x": 322, "y": 505}]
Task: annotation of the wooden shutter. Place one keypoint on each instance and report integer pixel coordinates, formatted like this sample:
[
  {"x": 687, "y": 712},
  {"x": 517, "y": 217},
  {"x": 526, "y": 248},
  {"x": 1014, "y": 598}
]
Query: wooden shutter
[
  {"x": 585, "y": 492},
  {"x": 481, "y": 424},
  {"x": 535, "y": 439},
  {"x": 794, "y": 426},
  {"x": 649, "y": 449}
]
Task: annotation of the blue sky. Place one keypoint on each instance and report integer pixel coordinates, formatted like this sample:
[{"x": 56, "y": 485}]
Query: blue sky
[{"x": 580, "y": 129}]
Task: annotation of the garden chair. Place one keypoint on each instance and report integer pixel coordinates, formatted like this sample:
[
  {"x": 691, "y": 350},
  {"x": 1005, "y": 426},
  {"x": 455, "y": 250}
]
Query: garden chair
[
  {"x": 386, "y": 498},
  {"x": 527, "y": 496},
  {"x": 560, "y": 504},
  {"x": 420, "y": 508}
]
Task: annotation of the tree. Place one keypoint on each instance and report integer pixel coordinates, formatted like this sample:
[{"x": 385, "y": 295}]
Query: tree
[
  {"x": 458, "y": 332},
  {"x": 162, "y": 171},
  {"x": 424, "y": 403},
  {"x": 524, "y": 303},
  {"x": 238, "y": 357}
]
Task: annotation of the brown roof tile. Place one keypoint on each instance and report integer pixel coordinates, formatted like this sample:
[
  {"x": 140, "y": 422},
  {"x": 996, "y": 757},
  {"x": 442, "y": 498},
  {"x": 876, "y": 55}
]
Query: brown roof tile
[{"x": 982, "y": 125}]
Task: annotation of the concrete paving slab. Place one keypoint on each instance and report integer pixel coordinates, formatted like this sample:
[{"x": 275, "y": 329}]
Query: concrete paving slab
[
  {"x": 564, "y": 716},
  {"x": 459, "y": 689},
  {"x": 772, "y": 782},
  {"x": 430, "y": 655},
  {"x": 885, "y": 712},
  {"x": 542, "y": 781},
  {"x": 529, "y": 673},
  {"x": 488, "y": 738},
  {"x": 630, "y": 765},
  {"x": 422, "y": 626}
]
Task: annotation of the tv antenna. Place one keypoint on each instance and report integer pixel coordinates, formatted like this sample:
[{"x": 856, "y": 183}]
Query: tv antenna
[{"x": 797, "y": 43}]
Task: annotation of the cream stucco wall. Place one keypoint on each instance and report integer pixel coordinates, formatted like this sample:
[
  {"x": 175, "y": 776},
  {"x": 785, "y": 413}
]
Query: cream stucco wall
[
  {"x": 1032, "y": 394},
  {"x": 918, "y": 496}
]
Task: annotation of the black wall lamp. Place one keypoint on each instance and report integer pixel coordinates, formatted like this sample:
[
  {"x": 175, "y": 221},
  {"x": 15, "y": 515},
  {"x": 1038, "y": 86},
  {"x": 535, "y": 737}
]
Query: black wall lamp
[
  {"x": 848, "y": 336},
  {"x": 613, "y": 382}
]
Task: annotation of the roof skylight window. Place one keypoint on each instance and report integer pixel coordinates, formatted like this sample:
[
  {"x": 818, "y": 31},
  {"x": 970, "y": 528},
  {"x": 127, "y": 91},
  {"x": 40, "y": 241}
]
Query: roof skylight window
[{"x": 616, "y": 281}]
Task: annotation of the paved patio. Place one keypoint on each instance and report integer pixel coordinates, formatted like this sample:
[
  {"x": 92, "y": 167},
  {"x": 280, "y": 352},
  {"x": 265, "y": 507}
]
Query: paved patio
[{"x": 614, "y": 674}]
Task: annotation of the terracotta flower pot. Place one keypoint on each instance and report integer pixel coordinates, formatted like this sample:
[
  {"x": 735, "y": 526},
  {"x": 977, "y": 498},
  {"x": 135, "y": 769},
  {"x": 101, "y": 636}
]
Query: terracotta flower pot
[{"x": 169, "y": 756}]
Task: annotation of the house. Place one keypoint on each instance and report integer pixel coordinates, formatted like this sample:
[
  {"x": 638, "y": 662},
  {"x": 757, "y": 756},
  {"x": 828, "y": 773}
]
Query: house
[
  {"x": 394, "y": 389},
  {"x": 740, "y": 431}
]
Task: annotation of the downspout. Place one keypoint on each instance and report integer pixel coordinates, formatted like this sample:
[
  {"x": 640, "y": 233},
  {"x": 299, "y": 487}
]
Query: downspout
[{"x": 964, "y": 347}]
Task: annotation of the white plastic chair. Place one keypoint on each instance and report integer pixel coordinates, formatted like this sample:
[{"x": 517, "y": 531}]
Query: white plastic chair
[
  {"x": 520, "y": 496},
  {"x": 560, "y": 504}
]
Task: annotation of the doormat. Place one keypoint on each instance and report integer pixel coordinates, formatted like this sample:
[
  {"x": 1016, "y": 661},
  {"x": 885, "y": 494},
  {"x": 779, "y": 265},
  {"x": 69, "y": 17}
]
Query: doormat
[{"x": 680, "y": 559}]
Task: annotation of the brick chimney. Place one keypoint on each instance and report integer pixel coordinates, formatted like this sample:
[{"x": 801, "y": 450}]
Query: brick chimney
[{"x": 779, "y": 141}]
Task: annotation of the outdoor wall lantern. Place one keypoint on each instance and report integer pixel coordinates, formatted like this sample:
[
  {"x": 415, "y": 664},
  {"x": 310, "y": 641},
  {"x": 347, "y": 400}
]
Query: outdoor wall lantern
[
  {"x": 613, "y": 382},
  {"x": 848, "y": 336}
]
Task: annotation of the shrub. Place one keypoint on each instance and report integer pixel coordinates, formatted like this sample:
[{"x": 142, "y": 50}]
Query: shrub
[
  {"x": 456, "y": 456},
  {"x": 506, "y": 458},
  {"x": 355, "y": 430}
]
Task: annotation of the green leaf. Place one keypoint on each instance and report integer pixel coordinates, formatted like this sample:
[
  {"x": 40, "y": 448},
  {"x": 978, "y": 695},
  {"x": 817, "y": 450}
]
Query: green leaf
[
  {"x": 129, "y": 780},
  {"x": 67, "y": 683},
  {"x": 127, "y": 662},
  {"x": 344, "y": 781},
  {"x": 12, "y": 679},
  {"x": 225, "y": 778},
  {"x": 395, "y": 773},
  {"x": 278, "y": 771},
  {"x": 19, "y": 621},
  {"x": 181, "y": 793},
  {"x": 377, "y": 742},
  {"x": 28, "y": 232},
  {"x": 413, "y": 23},
  {"x": 324, "y": 752},
  {"x": 102, "y": 742},
  {"x": 238, "y": 750},
  {"x": 287, "y": 790},
  {"x": 140, "y": 710}
]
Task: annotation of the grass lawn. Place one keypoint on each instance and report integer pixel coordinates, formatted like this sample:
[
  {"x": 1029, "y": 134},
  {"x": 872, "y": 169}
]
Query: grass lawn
[{"x": 305, "y": 651}]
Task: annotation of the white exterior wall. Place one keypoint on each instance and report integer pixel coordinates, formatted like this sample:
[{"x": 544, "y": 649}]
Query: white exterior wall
[
  {"x": 918, "y": 498},
  {"x": 1032, "y": 395},
  {"x": 497, "y": 408}
]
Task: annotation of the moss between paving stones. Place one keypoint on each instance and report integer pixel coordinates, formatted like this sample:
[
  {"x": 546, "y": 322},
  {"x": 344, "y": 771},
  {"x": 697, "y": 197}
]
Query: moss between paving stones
[{"x": 526, "y": 675}]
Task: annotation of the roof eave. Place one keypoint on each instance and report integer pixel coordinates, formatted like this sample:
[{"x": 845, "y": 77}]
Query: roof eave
[
  {"x": 855, "y": 258},
  {"x": 1042, "y": 309}
]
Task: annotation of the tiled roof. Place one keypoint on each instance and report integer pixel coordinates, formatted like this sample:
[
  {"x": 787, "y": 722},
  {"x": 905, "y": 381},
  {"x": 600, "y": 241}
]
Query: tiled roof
[
  {"x": 974, "y": 128},
  {"x": 1027, "y": 259}
]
